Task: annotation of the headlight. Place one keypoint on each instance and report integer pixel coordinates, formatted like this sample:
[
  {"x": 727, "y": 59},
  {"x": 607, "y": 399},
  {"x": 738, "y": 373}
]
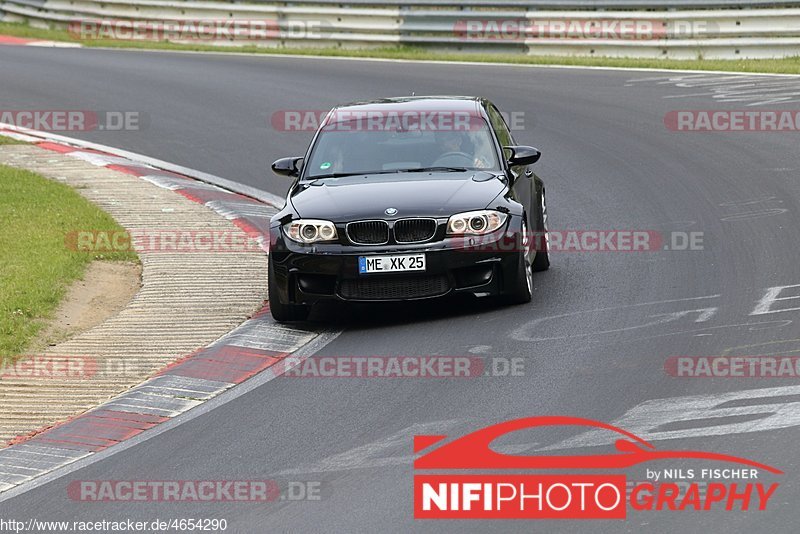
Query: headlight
[
  {"x": 475, "y": 222},
  {"x": 310, "y": 231}
]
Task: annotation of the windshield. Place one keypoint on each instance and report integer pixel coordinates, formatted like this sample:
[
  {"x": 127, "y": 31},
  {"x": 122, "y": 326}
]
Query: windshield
[{"x": 341, "y": 148}]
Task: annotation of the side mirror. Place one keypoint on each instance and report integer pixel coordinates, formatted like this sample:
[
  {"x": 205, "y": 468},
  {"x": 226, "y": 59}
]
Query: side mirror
[
  {"x": 522, "y": 155},
  {"x": 287, "y": 166}
]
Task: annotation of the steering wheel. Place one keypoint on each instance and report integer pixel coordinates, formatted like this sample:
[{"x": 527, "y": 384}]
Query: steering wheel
[{"x": 462, "y": 159}]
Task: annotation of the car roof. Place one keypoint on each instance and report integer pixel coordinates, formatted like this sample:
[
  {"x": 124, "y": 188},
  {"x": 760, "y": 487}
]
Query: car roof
[{"x": 468, "y": 104}]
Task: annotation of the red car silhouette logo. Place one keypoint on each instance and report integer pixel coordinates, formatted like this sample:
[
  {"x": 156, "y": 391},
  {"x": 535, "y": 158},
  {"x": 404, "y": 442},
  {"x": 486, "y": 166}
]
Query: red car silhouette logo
[{"x": 473, "y": 450}]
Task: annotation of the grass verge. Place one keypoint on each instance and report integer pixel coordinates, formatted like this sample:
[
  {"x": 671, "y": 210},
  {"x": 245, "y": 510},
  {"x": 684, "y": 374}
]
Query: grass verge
[
  {"x": 36, "y": 266},
  {"x": 775, "y": 66},
  {"x": 9, "y": 141}
]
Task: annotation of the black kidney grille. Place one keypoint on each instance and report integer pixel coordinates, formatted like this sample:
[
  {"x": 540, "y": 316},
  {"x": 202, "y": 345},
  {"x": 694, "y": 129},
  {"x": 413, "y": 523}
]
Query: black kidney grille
[
  {"x": 414, "y": 230},
  {"x": 368, "y": 232},
  {"x": 394, "y": 288}
]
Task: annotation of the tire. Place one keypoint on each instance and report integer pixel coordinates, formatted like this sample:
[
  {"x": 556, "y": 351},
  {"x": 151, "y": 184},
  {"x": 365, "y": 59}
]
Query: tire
[
  {"x": 522, "y": 291},
  {"x": 541, "y": 262},
  {"x": 282, "y": 312}
]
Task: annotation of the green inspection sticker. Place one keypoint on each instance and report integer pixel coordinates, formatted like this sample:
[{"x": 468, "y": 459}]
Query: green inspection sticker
[{"x": 326, "y": 165}]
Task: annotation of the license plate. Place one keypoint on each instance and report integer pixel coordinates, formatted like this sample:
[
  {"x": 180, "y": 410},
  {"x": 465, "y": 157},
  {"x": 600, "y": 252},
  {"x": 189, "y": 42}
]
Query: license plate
[{"x": 391, "y": 264}]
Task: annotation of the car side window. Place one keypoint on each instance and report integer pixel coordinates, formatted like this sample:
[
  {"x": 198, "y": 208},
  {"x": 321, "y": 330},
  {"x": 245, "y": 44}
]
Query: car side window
[{"x": 499, "y": 126}]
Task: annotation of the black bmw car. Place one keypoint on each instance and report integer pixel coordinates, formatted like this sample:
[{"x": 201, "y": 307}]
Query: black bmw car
[{"x": 405, "y": 199}]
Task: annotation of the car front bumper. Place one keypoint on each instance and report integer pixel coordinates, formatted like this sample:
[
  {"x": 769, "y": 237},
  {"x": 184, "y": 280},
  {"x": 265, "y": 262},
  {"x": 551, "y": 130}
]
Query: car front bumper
[{"x": 306, "y": 274}]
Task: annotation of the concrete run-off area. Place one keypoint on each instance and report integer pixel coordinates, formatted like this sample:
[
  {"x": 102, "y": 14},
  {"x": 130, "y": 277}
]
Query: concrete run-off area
[{"x": 188, "y": 299}]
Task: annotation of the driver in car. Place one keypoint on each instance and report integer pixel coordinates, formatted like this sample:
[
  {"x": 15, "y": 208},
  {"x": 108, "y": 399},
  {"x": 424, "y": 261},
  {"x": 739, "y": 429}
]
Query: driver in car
[{"x": 456, "y": 148}]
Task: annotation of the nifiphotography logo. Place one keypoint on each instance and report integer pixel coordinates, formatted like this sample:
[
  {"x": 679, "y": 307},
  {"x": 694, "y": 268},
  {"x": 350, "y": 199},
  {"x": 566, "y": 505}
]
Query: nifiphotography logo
[{"x": 510, "y": 494}]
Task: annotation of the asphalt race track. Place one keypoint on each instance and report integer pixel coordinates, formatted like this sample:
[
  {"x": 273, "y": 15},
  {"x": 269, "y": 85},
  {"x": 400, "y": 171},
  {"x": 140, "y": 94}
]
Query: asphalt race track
[{"x": 594, "y": 340}]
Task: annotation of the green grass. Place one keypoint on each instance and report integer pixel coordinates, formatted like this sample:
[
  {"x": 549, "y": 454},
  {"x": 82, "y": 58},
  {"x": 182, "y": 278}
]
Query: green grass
[
  {"x": 9, "y": 141},
  {"x": 785, "y": 66},
  {"x": 36, "y": 266}
]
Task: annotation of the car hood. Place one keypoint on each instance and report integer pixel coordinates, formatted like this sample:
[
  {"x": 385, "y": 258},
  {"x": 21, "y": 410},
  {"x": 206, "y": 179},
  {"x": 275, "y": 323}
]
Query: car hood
[{"x": 411, "y": 194}]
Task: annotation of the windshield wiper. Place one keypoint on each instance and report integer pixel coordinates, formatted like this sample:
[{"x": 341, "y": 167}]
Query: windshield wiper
[
  {"x": 345, "y": 174},
  {"x": 435, "y": 169},
  {"x": 387, "y": 171}
]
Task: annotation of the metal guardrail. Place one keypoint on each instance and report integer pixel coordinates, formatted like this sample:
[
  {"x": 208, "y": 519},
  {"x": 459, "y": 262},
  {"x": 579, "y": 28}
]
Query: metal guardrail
[
  {"x": 556, "y": 4},
  {"x": 566, "y": 4},
  {"x": 744, "y": 29}
]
